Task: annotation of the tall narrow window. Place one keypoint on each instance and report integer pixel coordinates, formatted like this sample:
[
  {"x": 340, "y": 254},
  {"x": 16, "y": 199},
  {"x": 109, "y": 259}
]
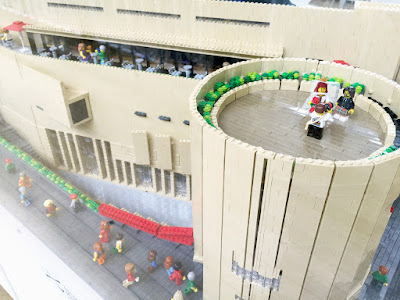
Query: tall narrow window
[
  {"x": 167, "y": 178},
  {"x": 144, "y": 177},
  {"x": 180, "y": 185},
  {"x": 55, "y": 147}
]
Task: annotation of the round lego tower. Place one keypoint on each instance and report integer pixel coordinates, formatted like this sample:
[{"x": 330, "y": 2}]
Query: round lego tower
[{"x": 276, "y": 221}]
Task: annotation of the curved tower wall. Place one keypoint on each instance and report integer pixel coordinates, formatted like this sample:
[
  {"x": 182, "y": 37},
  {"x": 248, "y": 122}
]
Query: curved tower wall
[{"x": 317, "y": 223}]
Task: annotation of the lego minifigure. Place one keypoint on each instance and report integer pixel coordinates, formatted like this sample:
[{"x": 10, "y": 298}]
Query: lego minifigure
[
  {"x": 50, "y": 207},
  {"x": 129, "y": 269},
  {"x": 9, "y": 167},
  {"x": 178, "y": 295},
  {"x": 168, "y": 265},
  {"x": 177, "y": 274},
  {"x": 75, "y": 202},
  {"x": 316, "y": 125},
  {"x": 7, "y": 40},
  {"x": 105, "y": 234},
  {"x": 89, "y": 49},
  {"x": 190, "y": 288},
  {"x": 83, "y": 54},
  {"x": 320, "y": 96},
  {"x": 24, "y": 180},
  {"x": 151, "y": 258},
  {"x": 118, "y": 244},
  {"x": 99, "y": 253},
  {"x": 381, "y": 276},
  {"x": 345, "y": 104},
  {"x": 22, "y": 191},
  {"x": 101, "y": 53}
]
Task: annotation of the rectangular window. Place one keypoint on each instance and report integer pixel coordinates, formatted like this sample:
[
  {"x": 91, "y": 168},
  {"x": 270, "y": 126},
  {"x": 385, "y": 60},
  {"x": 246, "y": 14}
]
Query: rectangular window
[
  {"x": 110, "y": 160},
  {"x": 74, "y": 6},
  {"x": 128, "y": 170},
  {"x": 180, "y": 185},
  {"x": 72, "y": 146},
  {"x": 55, "y": 147},
  {"x": 232, "y": 21},
  {"x": 158, "y": 180},
  {"x": 167, "y": 178},
  {"x": 101, "y": 158},
  {"x": 88, "y": 155},
  {"x": 65, "y": 149},
  {"x": 119, "y": 170},
  {"x": 147, "y": 13},
  {"x": 144, "y": 177}
]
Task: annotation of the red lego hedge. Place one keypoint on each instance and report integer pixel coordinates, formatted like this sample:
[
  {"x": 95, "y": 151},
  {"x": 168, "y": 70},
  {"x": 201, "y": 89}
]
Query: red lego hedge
[{"x": 181, "y": 235}]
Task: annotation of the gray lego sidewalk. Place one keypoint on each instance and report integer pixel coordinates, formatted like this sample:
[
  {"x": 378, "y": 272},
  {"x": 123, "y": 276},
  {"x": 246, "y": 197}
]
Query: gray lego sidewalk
[{"x": 71, "y": 237}]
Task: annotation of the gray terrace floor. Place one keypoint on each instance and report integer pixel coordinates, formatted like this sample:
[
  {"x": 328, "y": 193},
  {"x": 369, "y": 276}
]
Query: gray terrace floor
[
  {"x": 275, "y": 121},
  {"x": 80, "y": 231}
]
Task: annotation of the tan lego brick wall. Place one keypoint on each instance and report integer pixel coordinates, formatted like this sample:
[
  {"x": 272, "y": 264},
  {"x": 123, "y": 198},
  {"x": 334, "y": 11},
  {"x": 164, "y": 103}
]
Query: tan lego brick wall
[{"x": 365, "y": 24}]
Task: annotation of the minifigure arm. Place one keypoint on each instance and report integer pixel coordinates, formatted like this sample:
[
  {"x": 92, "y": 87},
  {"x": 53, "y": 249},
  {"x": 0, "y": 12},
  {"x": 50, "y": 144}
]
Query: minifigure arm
[
  {"x": 95, "y": 256},
  {"x": 4, "y": 37},
  {"x": 351, "y": 111},
  {"x": 119, "y": 247},
  {"x": 101, "y": 233},
  {"x": 81, "y": 54},
  {"x": 195, "y": 289},
  {"x": 385, "y": 284}
]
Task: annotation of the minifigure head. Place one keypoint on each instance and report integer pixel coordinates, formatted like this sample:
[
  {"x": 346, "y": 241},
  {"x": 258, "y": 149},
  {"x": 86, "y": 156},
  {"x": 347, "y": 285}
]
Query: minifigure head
[
  {"x": 321, "y": 87},
  {"x": 349, "y": 92},
  {"x": 383, "y": 270},
  {"x": 22, "y": 174},
  {"x": 5, "y": 31},
  {"x": 168, "y": 262},
  {"x": 191, "y": 276},
  {"x": 81, "y": 47},
  {"x": 151, "y": 256},
  {"x": 48, "y": 203},
  {"x": 320, "y": 108},
  {"x": 103, "y": 48},
  {"x": 177, "y": 266},
  {"x": 104, "y": 225},
  {"x": 119, "y": 236},
  {"x": 8, "y": 161},
  {"x": 73, "y": 197},
  {"x": 89, "y": 48},
  {"x": 98, "y": 247},
  {"x": 129, "y": 268}
]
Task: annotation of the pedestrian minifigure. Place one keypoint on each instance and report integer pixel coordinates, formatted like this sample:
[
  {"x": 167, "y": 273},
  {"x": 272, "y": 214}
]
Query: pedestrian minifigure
[
  {"x": 50, "y": 207},
  {"x": 75, "y": 203},
  {"x": 9, "y": 167},
  {"x": 177, "y": 274},
  {"x": 129, "y": 269},
  {"x": 105, "y": 231},
  {"x": 151, "y": 258},
  {"x": 118, "y": 243},
  {"x": 190, "y": 287},
  {"x": 83, "y": 54},
  {"x": 24, "y": 180},
  {"x": 381, "y": 276},
  {"x": 168, "y": 265},
  {"x": 101, "y": 53},
  {"x": 22, "y": 191},
  {"x": 99, "y": 253}
]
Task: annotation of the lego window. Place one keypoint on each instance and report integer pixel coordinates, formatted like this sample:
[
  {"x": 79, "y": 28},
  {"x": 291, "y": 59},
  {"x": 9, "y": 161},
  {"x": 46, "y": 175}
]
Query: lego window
[
  {"x": 144, "y": 176},
  {"x": 79, "y": 111},
  {"x": 55, "y": 147},
  {"x": 126, "y": 52},
  {"x": 180, "y": 185},
  {"x": 88, "y": 156},
  {"x": 199, "y": 64},
  {"x": 167, "y": 178},
  {"x": 114, "y": 52},
  {"x": 158, "y": 180},
  {"x": 139, "y": 54},
  {"x": 153, "y": 57}
]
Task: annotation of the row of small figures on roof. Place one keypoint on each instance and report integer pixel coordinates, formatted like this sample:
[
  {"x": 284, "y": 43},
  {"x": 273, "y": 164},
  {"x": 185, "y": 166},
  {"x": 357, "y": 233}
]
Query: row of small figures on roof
[
  {"x": 101, "y": 56},
  {"x": 173, "y": 269},
  {"x": 320, "y": 106}
]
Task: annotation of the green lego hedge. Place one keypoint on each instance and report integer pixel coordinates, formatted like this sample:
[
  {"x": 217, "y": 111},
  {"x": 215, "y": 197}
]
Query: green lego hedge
[{"x": 49, "y": 174}]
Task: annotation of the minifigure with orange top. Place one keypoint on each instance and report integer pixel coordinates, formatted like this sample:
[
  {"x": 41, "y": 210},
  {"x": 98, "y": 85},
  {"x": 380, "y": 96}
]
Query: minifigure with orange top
[
  {"x": 24, "y": 180},
  {"x": 50, "y": 207},
  {"x": 99, "y": 255},
  {"x": 105, "y": 231}
]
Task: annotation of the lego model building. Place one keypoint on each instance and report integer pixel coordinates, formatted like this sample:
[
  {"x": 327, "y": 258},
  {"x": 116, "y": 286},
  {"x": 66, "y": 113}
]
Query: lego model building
[{"x": 144, "y": 95}]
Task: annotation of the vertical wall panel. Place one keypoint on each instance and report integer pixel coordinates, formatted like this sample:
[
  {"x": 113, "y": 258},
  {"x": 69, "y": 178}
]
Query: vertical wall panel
[
  {"x": 277, "y": 180},
  {"x": 162, "y": 145},
  {"x": 374, "y": 198},
  {"x": 347, "y": 190},
  {"x": 213, "y": 180},
  {"x": 141, "y": 146},
  {"x": 64, "y": 149},
  {"x": 308, "y": 192},
  {"x": 239, "y": 163},
  {"x": 184, "y": 150}
]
